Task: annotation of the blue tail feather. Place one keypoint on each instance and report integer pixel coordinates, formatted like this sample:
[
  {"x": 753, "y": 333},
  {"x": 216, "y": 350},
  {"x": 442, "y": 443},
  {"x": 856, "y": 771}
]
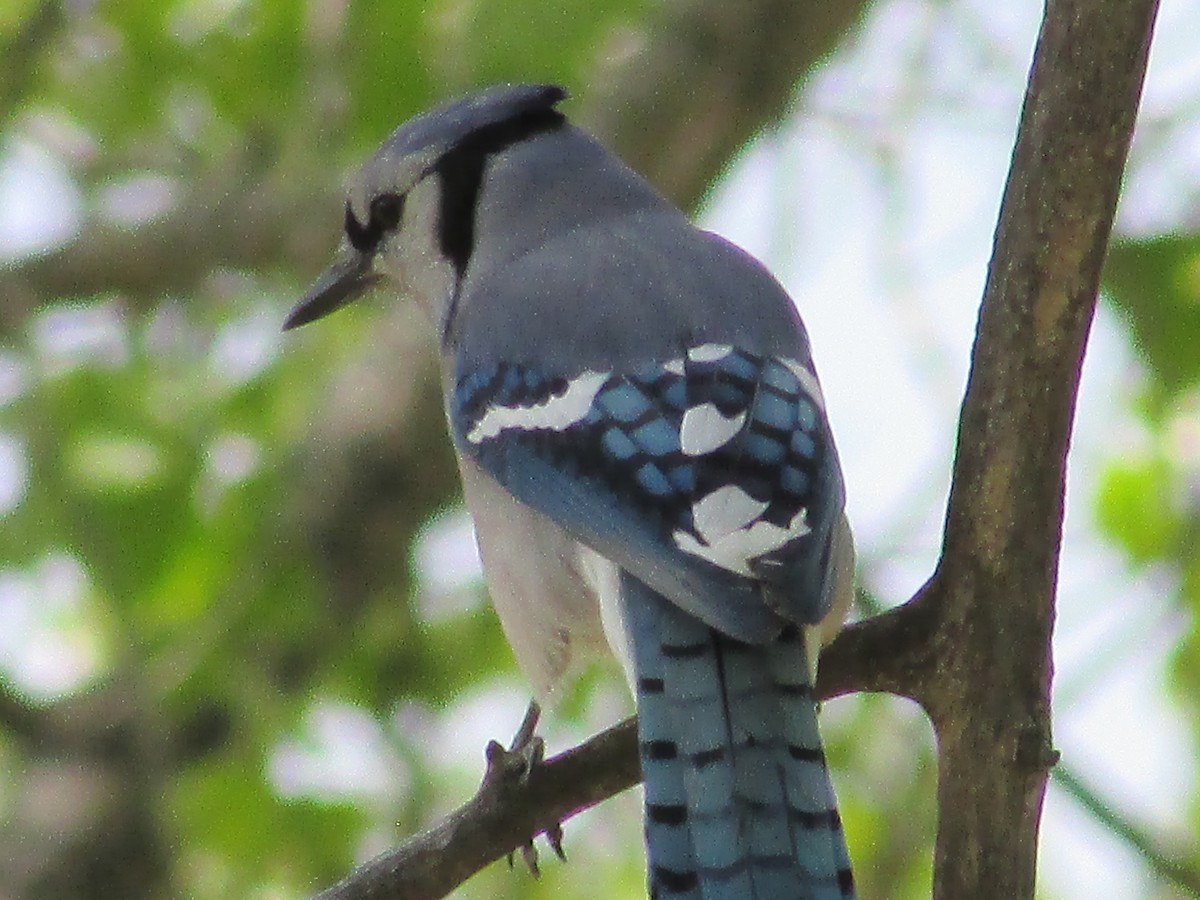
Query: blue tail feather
[{"x": 738, "y": 800}]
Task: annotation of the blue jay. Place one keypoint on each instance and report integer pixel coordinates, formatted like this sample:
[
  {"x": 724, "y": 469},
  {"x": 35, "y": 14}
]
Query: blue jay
[{"x": 645, "y": 454}]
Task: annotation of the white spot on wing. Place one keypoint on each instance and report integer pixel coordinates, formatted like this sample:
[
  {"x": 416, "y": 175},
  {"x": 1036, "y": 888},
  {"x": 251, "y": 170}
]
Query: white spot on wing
[
  {"x": 553, "y": 414},
  {"x": 731, "y": 534},
  {"x": 808, "y": 381},
  {"x": 704, "y": 429},
  {"x": 674, "y": 366},
  {"x": 724, "y": 511},
  {"x": 709, "y": 352}
]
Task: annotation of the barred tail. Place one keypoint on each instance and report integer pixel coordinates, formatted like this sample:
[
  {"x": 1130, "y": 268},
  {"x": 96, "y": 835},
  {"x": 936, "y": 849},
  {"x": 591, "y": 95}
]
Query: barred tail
[{"x": 738, "y": 799}]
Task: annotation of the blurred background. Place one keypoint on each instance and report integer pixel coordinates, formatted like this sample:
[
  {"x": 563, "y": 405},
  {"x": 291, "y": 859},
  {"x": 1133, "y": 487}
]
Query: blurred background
[{"x": 243, "y": 638}]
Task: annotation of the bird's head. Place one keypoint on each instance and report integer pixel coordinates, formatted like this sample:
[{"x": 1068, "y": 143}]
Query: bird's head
[{"x": 410, "y": 210}]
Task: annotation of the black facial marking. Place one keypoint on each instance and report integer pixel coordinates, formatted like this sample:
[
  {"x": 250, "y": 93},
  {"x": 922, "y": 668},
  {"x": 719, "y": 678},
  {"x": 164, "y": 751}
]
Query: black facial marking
[
  {"x": 461, "y": 172},
  {"x": 384, "y": 215},
  {"x": 386, "y": 209}
]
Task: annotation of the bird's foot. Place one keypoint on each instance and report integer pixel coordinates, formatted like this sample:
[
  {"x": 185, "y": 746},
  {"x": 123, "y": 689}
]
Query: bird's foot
[{"x": 518, "y": 762}]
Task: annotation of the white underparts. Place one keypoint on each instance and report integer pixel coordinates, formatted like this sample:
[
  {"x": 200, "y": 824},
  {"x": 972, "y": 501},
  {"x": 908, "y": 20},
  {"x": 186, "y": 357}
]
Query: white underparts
[
  {"x": 731, "y": 534},
  {"x": 553, "y": 414},
  {"x": 704, "y": 429},
  {"x": 604, "y": 578}
]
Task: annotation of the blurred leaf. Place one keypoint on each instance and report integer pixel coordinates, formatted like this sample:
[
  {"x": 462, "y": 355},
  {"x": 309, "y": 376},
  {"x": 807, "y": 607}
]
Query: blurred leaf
[
  {"x": 1155, "y": 284},
  {"x": 224, "y": 808},
  {"x": 15, "y": 15},
  {"x": 582, "y": 34},
  {"x": 1134, "y": 508}
]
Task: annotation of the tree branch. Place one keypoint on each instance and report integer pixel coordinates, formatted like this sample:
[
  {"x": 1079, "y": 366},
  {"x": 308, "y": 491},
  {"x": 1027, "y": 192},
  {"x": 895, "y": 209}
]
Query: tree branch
[
  {"x": 226, "y": 219},
  {"x": 509, "y": 810},
  {"x": 993, "y": 592},
  {"x": 1170, "y": 867}
]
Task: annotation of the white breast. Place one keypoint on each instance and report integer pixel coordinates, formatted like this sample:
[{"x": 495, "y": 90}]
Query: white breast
[{"x": 548, "y": 605}]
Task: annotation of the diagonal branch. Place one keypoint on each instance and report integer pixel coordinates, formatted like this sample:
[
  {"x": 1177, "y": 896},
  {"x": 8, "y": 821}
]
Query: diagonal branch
[
  {"x": 508, "y": 810},
  {"x": 1171, "y": 867},
  {"x": 505, "y": 813}
]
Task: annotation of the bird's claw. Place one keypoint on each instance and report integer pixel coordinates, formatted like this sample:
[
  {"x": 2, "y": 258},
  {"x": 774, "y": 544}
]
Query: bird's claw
[
  {"x": 522, "y": 756},
  {"x": 526, "y": 752}
]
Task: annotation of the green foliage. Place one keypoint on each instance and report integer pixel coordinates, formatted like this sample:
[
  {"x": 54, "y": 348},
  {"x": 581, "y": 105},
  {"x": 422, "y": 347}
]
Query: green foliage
[
  {"x": 162, "y": 472},
  {"x": 1149, "y": 502},
  {"x": 167, "y": 83},
  {"x": 1155, "y": 285},
  {"x": 1137, "y": 509}
]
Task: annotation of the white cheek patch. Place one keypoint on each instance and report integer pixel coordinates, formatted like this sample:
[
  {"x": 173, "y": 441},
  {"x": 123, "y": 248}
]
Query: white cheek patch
[
  {"x": 731, "y": 533},
  {"x": 552, "y": 414},
  {"x": 704, "y": 429}
]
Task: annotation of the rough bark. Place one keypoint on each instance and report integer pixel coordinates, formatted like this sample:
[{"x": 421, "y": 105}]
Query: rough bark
[{"x": 993, "y": 592}]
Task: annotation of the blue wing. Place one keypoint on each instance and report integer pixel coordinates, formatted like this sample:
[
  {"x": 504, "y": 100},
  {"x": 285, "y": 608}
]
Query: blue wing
[{"x": 710, "y": 477}]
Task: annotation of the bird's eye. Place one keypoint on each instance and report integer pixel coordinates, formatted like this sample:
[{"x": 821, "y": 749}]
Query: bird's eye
[
  {"x": 386, "y": 210},
  {"x": 383, "y": 216}
]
